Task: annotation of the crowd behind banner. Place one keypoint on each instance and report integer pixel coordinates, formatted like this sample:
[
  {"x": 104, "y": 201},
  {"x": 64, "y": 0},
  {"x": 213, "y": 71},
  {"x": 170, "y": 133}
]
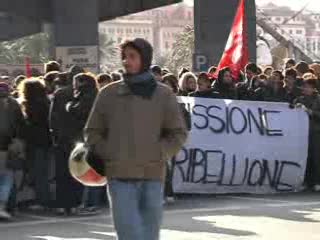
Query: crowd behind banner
[{"x": 42, "y": 118}]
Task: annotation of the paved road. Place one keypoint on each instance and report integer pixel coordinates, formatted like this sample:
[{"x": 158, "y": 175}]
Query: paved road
[{"x": 289, "y": 216}]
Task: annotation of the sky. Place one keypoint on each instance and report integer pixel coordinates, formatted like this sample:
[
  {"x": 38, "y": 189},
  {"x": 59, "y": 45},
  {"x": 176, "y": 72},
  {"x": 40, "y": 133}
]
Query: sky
[{"x": 294, "y": 4}]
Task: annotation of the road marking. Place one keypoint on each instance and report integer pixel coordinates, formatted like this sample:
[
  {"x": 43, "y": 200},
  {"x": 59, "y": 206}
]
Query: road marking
[
  {"x": 196, "y": 210},
  {"x": 94, "y": 224},
  {"x": 262, "y": 199},
  {"x": 50, "y": 220},
  {"x": 293, "y": 204}
]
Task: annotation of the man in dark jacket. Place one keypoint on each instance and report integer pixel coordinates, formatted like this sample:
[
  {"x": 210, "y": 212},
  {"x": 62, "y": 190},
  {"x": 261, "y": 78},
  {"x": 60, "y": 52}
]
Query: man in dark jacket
[
  {"x": 11, "y": 123},
  {"x": 245, "y": 90},
  {"x": 61, "y": 125},
  {"x": 204, "y": 89},
  {"x": 136, "y": 126},
  {"x": 310, "y": 102}
]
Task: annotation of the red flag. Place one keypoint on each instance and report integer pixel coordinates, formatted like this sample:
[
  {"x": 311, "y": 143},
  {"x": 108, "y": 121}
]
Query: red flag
[
  {"x": 28, "y": 67},
  {"x": 236, "y": 53}
]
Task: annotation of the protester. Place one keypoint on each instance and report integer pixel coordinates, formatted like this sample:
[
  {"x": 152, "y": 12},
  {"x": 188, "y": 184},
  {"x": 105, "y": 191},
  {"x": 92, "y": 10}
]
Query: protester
[
  {"x": 35, "y": 106},
  {"x": 49, "y": 79},
  {"x": 171, "y": 81},
  {"x": 204, "y": 87},
  {"x": 292, "y": 91},
  {"x": 225, "y": 85},
  {"x": 84, "y": 94},
  {"x": 11, "y": 123},
  {"x": 136, "y": 170},
  {"x": 302, "y": 68},
  {"x": 244, "y": 89},
  {"x": 310, "y": 102},
  {"x": 103, "y": 80},
  {"x": 187, "y": 84},
  {"x": 62, "y": 125},
  {"x": 157, "y": 72},
  {"x": 316, "y": 68},
  {"x": 274, "y": 91}
]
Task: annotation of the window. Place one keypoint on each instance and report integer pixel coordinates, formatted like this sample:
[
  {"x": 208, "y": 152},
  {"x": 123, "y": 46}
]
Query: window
[
  {"x": 299, "y": 32},
  {"x": 290, "y": 31},
  {"x": 119, "y": 40},
  {"x": 278, "y": 19},
  {"x": 166, "y": 45}
]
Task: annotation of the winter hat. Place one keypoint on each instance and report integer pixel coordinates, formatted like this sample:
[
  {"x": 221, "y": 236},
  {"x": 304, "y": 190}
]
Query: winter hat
[{"x": 144, "y": 48}]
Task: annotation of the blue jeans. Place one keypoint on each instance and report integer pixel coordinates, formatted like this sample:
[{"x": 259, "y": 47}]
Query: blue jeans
[
  {"x": 6, "y": 185},
  {"x": 136, "y": 208}
]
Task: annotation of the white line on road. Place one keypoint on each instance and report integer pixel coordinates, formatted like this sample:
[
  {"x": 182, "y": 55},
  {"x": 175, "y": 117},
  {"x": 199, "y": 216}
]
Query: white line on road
[
  {"x": 77, "y": 220},
  {"x": 262, "y": 199},
  {"x": 51, "y": 220}
]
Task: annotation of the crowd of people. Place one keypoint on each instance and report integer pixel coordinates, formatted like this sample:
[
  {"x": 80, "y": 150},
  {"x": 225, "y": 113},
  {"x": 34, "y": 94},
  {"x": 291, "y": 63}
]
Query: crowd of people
[{"x": 43, "y": 117}]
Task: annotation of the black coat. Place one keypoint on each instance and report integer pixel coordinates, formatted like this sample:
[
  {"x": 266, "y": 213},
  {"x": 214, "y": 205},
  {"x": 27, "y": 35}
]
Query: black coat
[
  {"x": 268, "y": 94},
  {"x": 60, "y": 121},
  {"x": 313, "y": 163},
  {"x": 11, "y": 121},
  {"x": 79, "y": 109},
  {"x": 36, "y": 128},
  {"x": 224, "y": 91}
]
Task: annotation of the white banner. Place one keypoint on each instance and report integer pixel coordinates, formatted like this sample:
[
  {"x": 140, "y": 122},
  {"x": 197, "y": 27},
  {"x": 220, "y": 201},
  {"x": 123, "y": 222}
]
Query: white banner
[
  {"x": 82, "y": 56},
  {"x": 242, "y": 147}
]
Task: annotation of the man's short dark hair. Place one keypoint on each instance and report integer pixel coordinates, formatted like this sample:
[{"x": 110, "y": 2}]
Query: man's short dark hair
[
  {"x": 156, "y": 69},
  {"x": 302, "y": 67},
  {"x": 204, "y": 75},
  {"x": 116, "y": 76},
  {"x": 252, "y": 67},
  {"x": 310, "y": 79},
  {"x": 182, "y": 71},
  {"x": 103, "y": 77},
  {"x": 291, "y": 72},
  {"x": 212, "y": 69},
  {"x": 290, "y": 61},
  {"x": 51, "y": 66},
  {"x": 51, "y": 76}
]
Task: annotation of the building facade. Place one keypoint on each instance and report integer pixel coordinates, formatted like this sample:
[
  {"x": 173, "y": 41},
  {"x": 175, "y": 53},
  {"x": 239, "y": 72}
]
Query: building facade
[
  {"x": 302, "y": 28},
  {"x": 159, "y": 26}
]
